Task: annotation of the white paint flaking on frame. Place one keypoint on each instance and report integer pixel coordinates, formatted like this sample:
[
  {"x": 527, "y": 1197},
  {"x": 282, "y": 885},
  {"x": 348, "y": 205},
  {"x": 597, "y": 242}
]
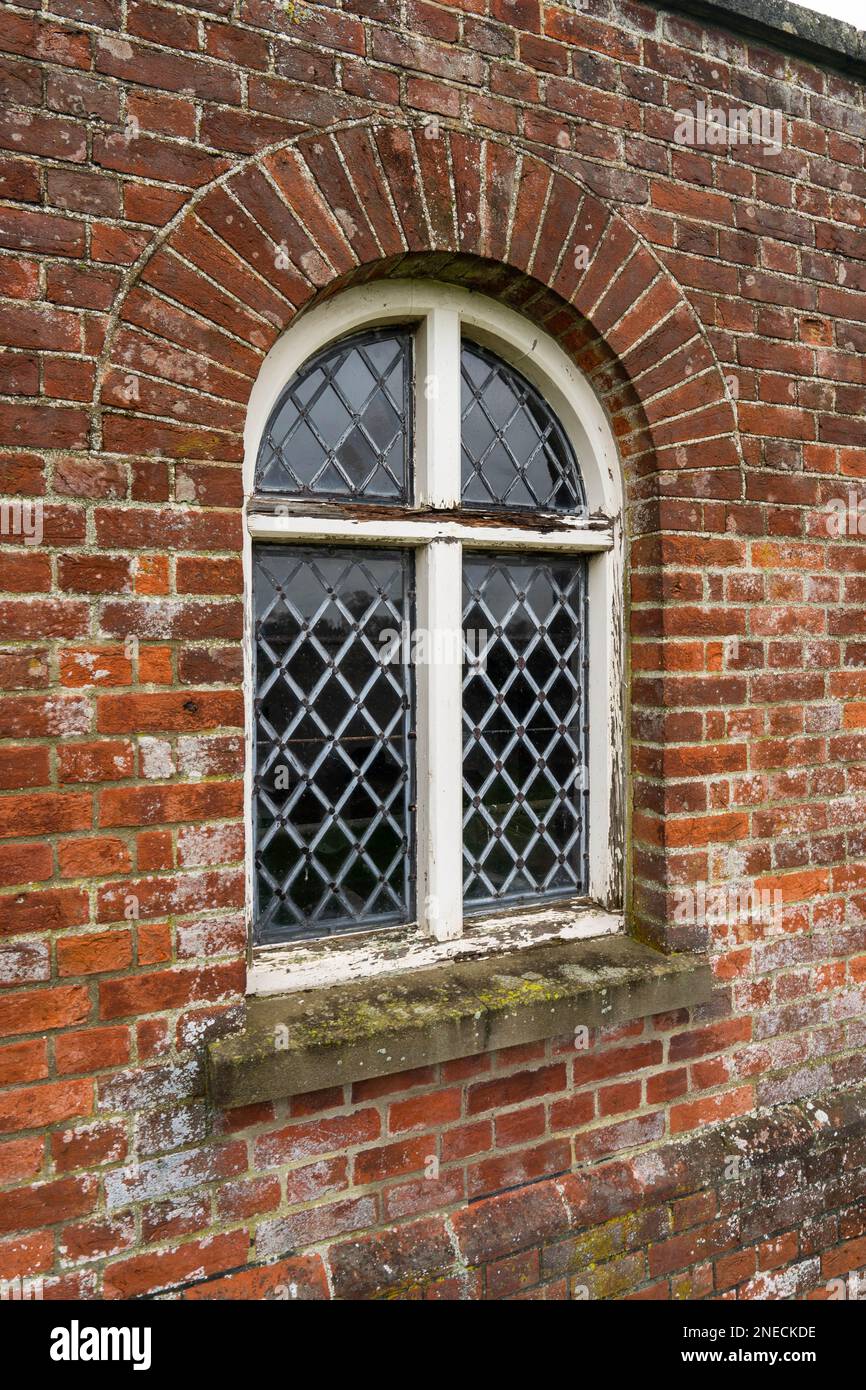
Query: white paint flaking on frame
[{"x": 301, "y": 966}]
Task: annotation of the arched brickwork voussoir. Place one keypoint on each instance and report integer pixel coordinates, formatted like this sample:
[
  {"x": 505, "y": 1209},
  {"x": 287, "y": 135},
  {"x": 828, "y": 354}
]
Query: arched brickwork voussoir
[
  {"x": 360, "y": 201},
  {"x": 332, "y": 208}
]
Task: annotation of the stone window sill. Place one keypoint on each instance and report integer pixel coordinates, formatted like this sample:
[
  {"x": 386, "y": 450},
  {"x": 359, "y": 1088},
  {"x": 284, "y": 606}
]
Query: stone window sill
[{"x": 315, "y": 1039}]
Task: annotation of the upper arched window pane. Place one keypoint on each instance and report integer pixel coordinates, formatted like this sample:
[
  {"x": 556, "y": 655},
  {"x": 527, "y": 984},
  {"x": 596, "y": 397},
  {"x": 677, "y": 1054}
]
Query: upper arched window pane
[
  {"x": 515, "y": 452},
  {"x": 341, "y": 429}
]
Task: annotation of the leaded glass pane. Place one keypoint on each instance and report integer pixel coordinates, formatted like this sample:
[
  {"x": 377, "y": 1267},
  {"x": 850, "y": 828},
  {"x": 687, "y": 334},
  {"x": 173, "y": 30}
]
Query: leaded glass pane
[
  {"x": 515, "y": 452},
  {"x": 525, "y": 791},
  {"x": 333, "y": 710},
  {"x": 341, "y": 428}
]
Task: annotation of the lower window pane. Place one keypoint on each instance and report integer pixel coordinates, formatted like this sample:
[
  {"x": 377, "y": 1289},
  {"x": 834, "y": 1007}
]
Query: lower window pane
[
  {"x": 525, "y": 791},
  {"x": 333, "y": 707}
]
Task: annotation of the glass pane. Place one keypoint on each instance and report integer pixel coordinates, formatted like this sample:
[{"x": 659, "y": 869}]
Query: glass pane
[
  {"x": 515, "y": 452},
  {"x": 524, "y": 728},
  {"x": 341, "y": 428},
  {"x": 333, "y": 708}
]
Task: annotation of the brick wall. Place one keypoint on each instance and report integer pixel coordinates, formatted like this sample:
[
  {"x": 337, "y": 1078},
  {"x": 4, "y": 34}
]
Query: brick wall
[{"x": 175, "y": 184}]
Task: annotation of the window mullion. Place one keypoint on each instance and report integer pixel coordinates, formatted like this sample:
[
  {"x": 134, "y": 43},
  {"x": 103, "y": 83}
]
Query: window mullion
[
  {"x": 439, "y": 614},
  {"x": 437, "y": 463},
  {"x": 439, "y": 584}
]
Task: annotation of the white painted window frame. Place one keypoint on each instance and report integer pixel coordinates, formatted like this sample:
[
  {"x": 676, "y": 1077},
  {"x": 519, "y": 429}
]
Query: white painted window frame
[{"x": 444, "y": 314}]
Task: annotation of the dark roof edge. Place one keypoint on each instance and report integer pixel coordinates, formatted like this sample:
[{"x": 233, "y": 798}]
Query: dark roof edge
[{"x": 803, "y": 32}]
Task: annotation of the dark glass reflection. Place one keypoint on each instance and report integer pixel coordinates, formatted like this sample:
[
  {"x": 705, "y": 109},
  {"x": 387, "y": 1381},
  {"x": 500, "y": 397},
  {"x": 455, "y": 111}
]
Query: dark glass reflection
[
  {"x": 514, "y": 450},
  {"x": 333, "y": 775},
  {"x": 524, "y": 741},
  {"x": 341, "y": 428}
]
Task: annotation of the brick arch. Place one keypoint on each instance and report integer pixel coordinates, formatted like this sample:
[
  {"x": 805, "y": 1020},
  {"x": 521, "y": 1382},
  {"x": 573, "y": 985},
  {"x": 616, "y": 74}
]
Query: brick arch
[
  {"x": 357, "y": 202},
  {"x": 262, "y": 243}
]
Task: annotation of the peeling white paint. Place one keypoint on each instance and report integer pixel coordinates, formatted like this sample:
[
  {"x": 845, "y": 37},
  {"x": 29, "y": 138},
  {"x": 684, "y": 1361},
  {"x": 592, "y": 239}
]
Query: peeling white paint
[{"x": 284, "y": 970}]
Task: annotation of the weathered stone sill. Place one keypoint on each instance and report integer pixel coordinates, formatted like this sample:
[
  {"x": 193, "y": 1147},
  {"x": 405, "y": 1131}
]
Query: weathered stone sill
[{"x": 319, "y": 1038}]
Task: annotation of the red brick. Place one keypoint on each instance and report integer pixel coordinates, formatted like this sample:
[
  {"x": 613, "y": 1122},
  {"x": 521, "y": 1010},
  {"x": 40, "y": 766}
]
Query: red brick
[
  {"x": 108, "y": 761},
  {"x": 92, "y": 1050},
  {"x": 94, "y": 952},
  {"x": 148, "y": 1273},
  {"x": 36, "y": 1106},
  {"x": 721, "y": 1107},
  {"x": 25, "y": 863},
  {"x": 184, "y": 712},
  {"x": 42, "y": 1010},
  {"x": 88, "y": 1146},
  {"x": 391, "y": 1160},
  {"x": 86, "y": 857},
  {"x": 26, "y": 1255},
  {"x": 21, "y": 1159},
  {"x": 318, "y": 1137},
  {"x": 168, "y": 989},
  {"x": 21, "y": 1062},
  {"x": 509, "y": 1090},
  {"x": 44, "y": 813},
  {"x": 425, "y": 1112}
]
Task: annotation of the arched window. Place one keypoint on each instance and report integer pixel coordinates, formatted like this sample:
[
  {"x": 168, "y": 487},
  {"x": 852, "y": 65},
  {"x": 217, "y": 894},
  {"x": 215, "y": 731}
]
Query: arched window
[
  {"x": 342, "y": 427},
  {"x": 434, "y": 668}
]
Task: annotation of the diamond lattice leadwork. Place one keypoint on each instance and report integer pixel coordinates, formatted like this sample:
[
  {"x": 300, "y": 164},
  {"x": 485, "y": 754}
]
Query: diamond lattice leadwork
[
  {"x": 524, "y": 728},
  {"x": 515, "y": 453},
  {"x": 341, "y": 428},
  {"x": 333, "y": 774}
]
